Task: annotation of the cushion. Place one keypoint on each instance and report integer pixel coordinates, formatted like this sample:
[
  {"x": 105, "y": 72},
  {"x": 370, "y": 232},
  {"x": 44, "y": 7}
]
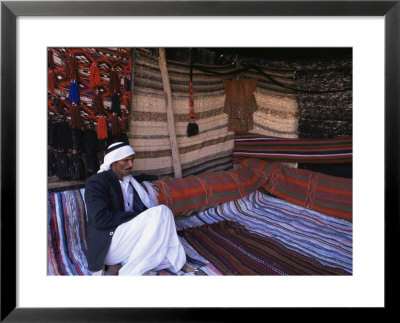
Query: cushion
[
  {"x": 192, "y": 193},
  {"x": 323, "y": 193}
]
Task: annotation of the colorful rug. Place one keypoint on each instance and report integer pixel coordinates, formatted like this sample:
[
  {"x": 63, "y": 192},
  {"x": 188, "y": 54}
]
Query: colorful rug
[
  {"x": 324, "y": 238},
  {"x": 236, "y": 251}
]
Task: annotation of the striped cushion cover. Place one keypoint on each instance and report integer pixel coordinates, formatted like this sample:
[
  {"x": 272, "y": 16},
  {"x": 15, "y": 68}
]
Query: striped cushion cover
[
  {"x": 327, "y": 194},
  {"x": 318, "y": 151},
  {"x": 194, "y": 193}
]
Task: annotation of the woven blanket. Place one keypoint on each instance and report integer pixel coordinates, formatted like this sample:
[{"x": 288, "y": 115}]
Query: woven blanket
[
  {"x": 319, "y": 151},
  {"x": 326, "y": 239},
  {"x": 194, "y": 193},
  {"x": 236, "y": 251}
]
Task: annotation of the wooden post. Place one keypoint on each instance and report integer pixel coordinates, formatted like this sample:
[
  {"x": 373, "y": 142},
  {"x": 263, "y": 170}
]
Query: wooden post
[
  {"x": 131, "y": 86},
  {"x": 170, "y": 114}
]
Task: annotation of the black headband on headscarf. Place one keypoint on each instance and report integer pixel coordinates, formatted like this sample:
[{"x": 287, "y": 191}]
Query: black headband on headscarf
[{"x": 110, "y": 149}]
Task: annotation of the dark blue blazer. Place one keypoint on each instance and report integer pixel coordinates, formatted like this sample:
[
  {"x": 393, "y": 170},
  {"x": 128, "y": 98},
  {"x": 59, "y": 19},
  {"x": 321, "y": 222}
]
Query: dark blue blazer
[{"x": 106, "y": 211}]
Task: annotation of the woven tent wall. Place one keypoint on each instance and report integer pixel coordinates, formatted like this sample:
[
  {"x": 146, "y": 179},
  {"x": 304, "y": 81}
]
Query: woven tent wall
[
  {"x": 212, "y": 148},
  {"x": 325, "y": 99}
]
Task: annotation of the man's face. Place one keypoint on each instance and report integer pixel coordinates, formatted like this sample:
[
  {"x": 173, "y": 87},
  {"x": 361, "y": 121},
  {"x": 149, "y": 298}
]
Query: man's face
[{"x": 123, "y": 167}]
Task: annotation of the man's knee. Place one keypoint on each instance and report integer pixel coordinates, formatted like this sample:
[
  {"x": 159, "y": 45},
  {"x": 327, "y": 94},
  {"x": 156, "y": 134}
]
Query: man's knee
[{"x": 161, "y": 211}]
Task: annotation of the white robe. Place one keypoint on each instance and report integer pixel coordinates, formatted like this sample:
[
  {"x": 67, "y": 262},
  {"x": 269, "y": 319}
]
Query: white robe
[{"x": 147, "y": 242}]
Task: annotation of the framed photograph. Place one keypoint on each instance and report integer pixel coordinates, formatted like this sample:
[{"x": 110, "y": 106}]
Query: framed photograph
[{"x": 28, "y": 28}]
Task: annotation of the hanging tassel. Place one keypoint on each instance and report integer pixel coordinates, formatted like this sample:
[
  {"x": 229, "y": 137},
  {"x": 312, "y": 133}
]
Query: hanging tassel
[
  {"x": 101, "y": 128},
  {"x": 62, "y": 169},
  {"x": 51, "y": 81},
  {"x": 51, "y": 162},
  {"x": 90, "y": 141},
  {"x": 114, "y": 80},
  {"x": 115, "y": 125},
  {"x": 75, "y": 117},
  {"x": 126, "y": 98},
  {"x": 115, "y": 105},
  {"x": 91, "y": 164},
  {"x": 192, "y": 128},
  {"x": 71, "y": 69},
  {"x": 50, "y": 133},
  {"x": 50, "y": 59},
  {"x": 98, "y": 103},
  {"x": 127, "y": 84},
  {"x": 76, "y": 135},
  {"x": 62, "y": 135},
  {"x": 73, "y": 95},
  {"x": 94, "y": 76},
  {"x": 58, "y": 105},
  {"x": 76, "y": 172}
]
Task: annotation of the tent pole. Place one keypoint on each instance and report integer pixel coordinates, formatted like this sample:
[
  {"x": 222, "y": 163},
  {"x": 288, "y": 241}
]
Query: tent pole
[{"x": 170, "y": 113}]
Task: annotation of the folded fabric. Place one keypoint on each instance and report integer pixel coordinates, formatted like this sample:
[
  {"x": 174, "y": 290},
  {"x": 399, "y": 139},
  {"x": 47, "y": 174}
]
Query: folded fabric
[{"x": 318, "y": 151}]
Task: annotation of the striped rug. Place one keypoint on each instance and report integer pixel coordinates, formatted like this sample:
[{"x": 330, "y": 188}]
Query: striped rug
[
  {"x": 319, "y": 151},
  {"x": 236, "y": 251},
  {"x": 326, "y": 239},
  {"x": 66, "y": 234},
  {"x": 67, "y": 249}
]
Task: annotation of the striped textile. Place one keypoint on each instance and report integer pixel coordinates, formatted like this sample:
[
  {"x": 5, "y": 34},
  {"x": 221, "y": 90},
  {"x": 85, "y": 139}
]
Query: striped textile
[
  {"x": 236, "y": 251},
  {"x": 319, "y": 151},
  {"x": 67, "y": 248},
  {"x": 327, "y": 194},
  {"x": 326, "y": 239},
  {"x": 66, "y": 234},
  {"x": 210, "y": 150},
  {"x": 194, "y": 193}
]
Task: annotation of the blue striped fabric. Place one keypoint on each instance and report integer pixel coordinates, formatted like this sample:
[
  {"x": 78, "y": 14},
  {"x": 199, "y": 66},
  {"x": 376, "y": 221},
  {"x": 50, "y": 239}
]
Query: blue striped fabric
[
  {"x": 324, "y": 238},
  {"x": 66, "y": 234}
]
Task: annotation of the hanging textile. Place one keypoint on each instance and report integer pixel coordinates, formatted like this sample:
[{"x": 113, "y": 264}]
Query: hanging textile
[{"x": 240, "y": 103}]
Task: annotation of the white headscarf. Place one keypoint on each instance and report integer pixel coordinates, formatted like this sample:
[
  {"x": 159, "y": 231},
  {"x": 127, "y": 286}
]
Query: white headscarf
[{"x": 115, "y": 152}]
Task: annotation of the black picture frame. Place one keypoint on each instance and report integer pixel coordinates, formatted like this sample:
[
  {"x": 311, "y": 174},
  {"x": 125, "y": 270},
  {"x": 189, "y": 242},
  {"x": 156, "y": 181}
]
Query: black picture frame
[{"x": 10, "y": 10}]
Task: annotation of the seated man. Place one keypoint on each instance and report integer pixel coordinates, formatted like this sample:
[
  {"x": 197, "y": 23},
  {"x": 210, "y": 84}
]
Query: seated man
[{"x": 124, "y": 229}]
